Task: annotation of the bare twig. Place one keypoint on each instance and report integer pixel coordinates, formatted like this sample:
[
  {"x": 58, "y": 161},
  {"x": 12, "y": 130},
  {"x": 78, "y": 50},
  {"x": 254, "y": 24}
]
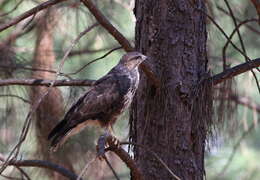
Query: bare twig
[
  {"x": 81, "y": 68},
  {"x": 241, "y": 42},
  {"x": 45, "y": 82},
  {"x": 111, "y": 167},
  {"x": 223, "y": 32},
  {"x": 86, "y": 168},
  {"x": 29, "y": 13},
  {"x": 23, "y": 173},
  {"x": 13, "y": 9},
  {"x": 232, "y": 72},
  {"x": 236, "y": 25},
  {"x": 247, "y": 26},
  {"x": 73, "y": 44},
  {"x": 42, "y": 164},
  {"x": 16, "y": 96},
  {"x": 231, "y": 36}
]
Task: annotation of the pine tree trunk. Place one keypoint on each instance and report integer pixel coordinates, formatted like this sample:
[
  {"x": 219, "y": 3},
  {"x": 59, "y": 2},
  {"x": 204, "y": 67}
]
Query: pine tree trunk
[{"x": 172, "y": 120}]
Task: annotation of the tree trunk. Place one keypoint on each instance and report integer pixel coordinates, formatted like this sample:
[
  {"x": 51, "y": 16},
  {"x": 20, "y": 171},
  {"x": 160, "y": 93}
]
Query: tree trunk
[
  {"x": 51, "y": 109},
  {"x": 174, "y": 119}
]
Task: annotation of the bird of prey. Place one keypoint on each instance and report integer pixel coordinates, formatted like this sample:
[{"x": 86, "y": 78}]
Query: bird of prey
[{"x": 103, "y": 103}]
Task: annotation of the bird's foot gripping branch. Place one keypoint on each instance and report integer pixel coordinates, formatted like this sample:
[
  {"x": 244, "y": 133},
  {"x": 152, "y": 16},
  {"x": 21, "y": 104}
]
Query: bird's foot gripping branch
[{"x": 106, "y": 140}]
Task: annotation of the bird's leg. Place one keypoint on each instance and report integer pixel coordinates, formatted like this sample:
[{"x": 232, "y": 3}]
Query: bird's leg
[{"x": 106, "y": 139}]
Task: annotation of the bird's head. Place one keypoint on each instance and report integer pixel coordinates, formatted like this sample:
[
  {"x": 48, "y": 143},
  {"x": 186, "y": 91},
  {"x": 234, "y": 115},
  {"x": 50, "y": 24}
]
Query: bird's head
[{"x": 132, "y": 60}]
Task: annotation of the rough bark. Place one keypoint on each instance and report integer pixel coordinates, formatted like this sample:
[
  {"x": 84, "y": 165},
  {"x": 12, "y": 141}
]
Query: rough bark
[
  {"x": 51, "y": 109},
  {"x": 174, "y": 119}
]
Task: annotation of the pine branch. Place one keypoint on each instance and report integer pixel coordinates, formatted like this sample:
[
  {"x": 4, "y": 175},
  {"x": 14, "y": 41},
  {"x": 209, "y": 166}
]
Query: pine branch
[
  {"x": 29, "y": 13},
  {"x": 234, "y": 71}
]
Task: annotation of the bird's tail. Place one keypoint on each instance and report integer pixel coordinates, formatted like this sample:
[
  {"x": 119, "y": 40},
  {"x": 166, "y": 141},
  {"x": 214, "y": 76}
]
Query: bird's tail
[{"x": 58, "y": 135}]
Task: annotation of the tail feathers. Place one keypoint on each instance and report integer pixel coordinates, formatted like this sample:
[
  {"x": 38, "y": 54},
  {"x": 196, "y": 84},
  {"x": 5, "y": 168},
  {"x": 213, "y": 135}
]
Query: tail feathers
[
  {"x": 58, "y": 134},
  {"x": 57, "y": 129},
  {"x": 59, "y": 139}
]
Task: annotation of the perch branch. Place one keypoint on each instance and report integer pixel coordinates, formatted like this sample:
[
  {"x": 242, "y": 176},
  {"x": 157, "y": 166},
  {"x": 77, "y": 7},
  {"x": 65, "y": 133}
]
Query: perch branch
[
  {"x": 234, "y": 71},
  {"x": 124, "y": 156},
  {"x": 155, "y": 155},
  {"x": 29, "y": 13}
]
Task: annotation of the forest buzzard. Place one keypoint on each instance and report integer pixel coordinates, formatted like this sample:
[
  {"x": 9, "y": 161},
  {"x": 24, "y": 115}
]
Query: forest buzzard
[{"x": 104, "y": 102}]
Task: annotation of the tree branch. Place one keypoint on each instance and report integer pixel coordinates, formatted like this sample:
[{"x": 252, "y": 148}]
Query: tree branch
[
  {"x": 124, "y": 156},
  {"x": 107, "y": 25},
  {"x": 29, "y": 13},
  {"x": 239, "y": 20},
  {"x": 45, "y": 82},
  {"x": 42, "y": 164},
  {"x": 234, "y": 71}
]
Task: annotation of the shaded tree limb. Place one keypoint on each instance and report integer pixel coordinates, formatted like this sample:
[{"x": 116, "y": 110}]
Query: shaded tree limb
[
  {"x": 119, "y": 37},
  {"x": 45, "y": 82},
  {"x": 124, "y": 156},
  {"x": 29, "y": 13},
  {"x": 234, "y": 71},
  {"x": 42, "y": 164},
  {"x": 107, "y": 25}
]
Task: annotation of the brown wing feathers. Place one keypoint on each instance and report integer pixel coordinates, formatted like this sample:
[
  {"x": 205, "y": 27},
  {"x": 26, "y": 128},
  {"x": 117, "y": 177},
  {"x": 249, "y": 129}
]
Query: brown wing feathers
[
  {"x": 95, "y": 105},
  {"x": 109, "y": 96}
]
